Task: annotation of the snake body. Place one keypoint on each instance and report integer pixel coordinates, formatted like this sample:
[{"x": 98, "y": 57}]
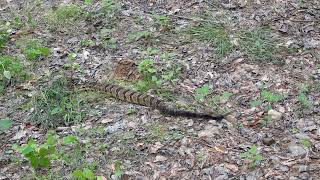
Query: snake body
[{"x": 135, "y": 97}]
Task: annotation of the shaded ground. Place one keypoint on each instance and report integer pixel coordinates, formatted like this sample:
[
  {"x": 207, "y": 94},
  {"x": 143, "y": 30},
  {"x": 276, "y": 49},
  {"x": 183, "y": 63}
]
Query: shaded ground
[{"x": 279, "y": 70}]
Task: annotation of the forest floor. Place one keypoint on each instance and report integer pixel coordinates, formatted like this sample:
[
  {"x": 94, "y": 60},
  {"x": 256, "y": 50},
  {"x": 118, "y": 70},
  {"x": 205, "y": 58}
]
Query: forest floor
[{"x": 259, "y": 60}]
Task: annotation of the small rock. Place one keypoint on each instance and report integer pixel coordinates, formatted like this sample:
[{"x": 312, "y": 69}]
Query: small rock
[
  {"x": 284, "y": 168},
  {"x": 311, "y": 128},
  {"x": 19, "y": 135},
  {"x": 160, "y": 158},
  {"x": 268, "y": 141},
  {"x": 222, "y": 177},
  {"x": 85, "y": 54},
  {"x": 301, "y": 136},
  {"x": 232, "y": 167},
  {"x": 293, "y": 178},
  {"x": 311, "y": 44},
  {"x": 296, "y": 150},
  {"x": 304, "y": 175},
  {"x": 114, "y": 177},
  {"x": 275, "y": 115},
  {"x": 113, "y": 128},
  {"x": 106, "y": 120},
  {"x": 318, "y": 132},
  {"x": 221, "y": 169},
  {"x": 303, "y": 168},
  {"x": 73, "y": 40},
  {"x": 154, "y": 148},
  {"x": 190, "y": 123},
  {"x": 209, "y": 132},
  {"x": 231, "y": 119},
  {"x": 185, "y": 141}
]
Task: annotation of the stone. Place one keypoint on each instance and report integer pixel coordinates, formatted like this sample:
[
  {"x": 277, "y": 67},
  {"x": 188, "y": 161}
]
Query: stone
[
  {"x": 268, "y": 141},
  {"x": 160, "y": 158},
  {"x": 209, "y": 132},
  {"x": 303, "y": 168},
  {"x": 296, "y": 150},
  {"x": 301, "y": 136},
  {"x": 274, "y": 115}
]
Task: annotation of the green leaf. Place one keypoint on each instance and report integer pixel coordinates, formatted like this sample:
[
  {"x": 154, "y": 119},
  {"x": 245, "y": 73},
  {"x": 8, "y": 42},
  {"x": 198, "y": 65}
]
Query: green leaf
[
  {"x": 44, "y": 162},
  {"x": 244, "y": 155},
  {"x": 100, "y": 177},
  {"x": 43, "y": 152},
  {"x": 271, "y": 97},
  {"x": 226, "y": 95},
  {"x": 34, "y": 160},
  {"x": 70, "y": 139},
  {"x": 117, "y": 169},
  {"x": 56, "y": 110},
  {"x": 5, "y": 124},
  {"x": 87, "y": 173},
  {"x": 253, "y": 149},
  {"x": 202, "y": 92},
  {"x": 44, "y": 51},
  {"x": 259, "y": 157},
  {"x": 51, "y": 140},
  {"x": 7, "y": 74},
  {"x": 78, "y": 174},
  {"x": 255, "y": 103},
  {"x": 27, "y": 150}
]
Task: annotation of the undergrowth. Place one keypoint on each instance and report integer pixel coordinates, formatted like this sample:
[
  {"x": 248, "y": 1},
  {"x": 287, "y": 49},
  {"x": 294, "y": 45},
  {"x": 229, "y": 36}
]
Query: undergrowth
[
  {"x": 33, "y": 48},
  {"x": 64, "y": 16},
  {"x": 57, "y": 105},
  {"x": 259, "y": 45},
  {"x": 11, "y": 70},
  {"x": 215, "y": 34}
]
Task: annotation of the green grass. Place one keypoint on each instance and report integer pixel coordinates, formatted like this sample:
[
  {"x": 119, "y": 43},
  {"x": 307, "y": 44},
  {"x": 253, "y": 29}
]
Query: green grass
[
  {"x": 272, "y": 97},
  {"x": 109, "y": 7},
  {"x": 160, "y": 132},
  {"x": 33, "y": 48},
  {"x": 163, "y": 22},
  {"x": 64, "y": 16},
  {"x": 259, "y": 45},
  {"x": 106, "y": 38},
  {"x": 215, "y": 34},
  {"x": 136, "y": 36},
  {"x": 57, "y": 105},
  {"x": 11, "y": 69},
  {"x": 4, "y": 38}
]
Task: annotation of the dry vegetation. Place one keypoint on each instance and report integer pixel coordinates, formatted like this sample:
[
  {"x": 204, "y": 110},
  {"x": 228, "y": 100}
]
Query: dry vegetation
[{"x": 258, "y": 59}]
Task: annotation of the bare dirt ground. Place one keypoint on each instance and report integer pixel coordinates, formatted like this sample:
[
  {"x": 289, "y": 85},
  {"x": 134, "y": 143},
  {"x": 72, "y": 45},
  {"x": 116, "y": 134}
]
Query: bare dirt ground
[{"x": 148, "y": 145}]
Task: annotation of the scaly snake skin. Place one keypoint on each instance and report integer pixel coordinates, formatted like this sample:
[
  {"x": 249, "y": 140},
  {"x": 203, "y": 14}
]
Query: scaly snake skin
[{"x": 131, "y": 96}]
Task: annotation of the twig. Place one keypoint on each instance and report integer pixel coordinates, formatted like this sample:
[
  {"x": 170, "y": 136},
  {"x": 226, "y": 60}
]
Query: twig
[
  {"x": 189, "y": 18},
  {"x": 304, "y": 20}
]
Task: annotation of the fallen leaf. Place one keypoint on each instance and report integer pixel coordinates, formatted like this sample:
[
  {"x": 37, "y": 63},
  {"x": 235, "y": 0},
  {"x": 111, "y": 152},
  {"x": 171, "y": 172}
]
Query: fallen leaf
[{"x": 154, "y": 148}]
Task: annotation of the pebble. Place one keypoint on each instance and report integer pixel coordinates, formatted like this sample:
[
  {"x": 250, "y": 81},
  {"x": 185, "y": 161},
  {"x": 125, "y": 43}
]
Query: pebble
[
  {"x": 275, "y": 115},
  {"x": 301, "y": 136},
  {"x": 222, "y": 177},
  {"x": 303, "y": 168},
  {"x": 293, "y": 178},
  {"x": 209, "y": 132},
  {"x": 318, "y": 132},
  {"x": 160, "y": 158},
  {"x": 268, "y": 141},
  {"x": 297, "y": 150},
  {"x": 284, "y": 168},
  {"x": 113, "y": 128},
  {"x": 304, "y": 176}
]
